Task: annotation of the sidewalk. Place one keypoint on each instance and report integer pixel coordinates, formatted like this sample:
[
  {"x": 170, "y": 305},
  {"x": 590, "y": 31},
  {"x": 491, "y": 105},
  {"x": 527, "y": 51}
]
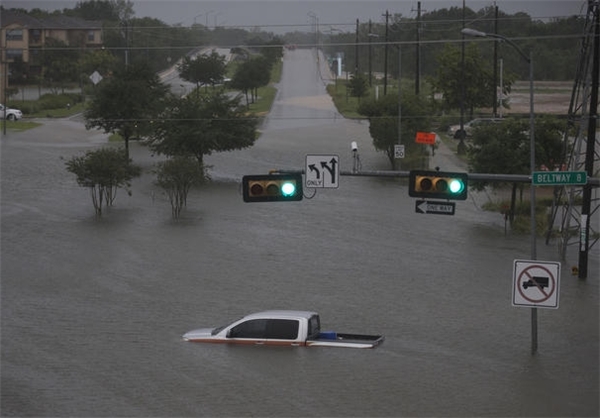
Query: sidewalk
[{"x": 446, "y": 159}]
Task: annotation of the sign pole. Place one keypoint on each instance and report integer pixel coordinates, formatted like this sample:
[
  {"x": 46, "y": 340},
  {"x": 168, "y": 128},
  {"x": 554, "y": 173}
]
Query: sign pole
[
  {"x": 534, "y": 333},
  {"x": 536, "y": 284}
]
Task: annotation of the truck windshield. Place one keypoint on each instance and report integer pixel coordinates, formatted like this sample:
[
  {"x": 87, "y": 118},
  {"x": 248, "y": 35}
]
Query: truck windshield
[{"x": 219, "y": 329}]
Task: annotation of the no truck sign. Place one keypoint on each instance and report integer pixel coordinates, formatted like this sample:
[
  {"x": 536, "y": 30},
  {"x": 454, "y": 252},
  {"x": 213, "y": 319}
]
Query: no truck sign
[{"x": 536, "y": 284}]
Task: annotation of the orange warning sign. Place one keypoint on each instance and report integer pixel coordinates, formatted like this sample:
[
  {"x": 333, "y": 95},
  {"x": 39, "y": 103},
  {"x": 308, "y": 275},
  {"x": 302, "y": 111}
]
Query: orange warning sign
[{"x": 425, "y": 138}]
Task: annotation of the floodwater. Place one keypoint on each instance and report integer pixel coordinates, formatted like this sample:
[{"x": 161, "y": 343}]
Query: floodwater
[{"x": 93, "y": 309}]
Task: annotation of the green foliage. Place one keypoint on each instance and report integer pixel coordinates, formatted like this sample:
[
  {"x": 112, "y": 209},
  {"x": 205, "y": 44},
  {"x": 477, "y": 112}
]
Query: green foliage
[
  {"x": 97, "y": 60},
  {"x": 502, "y": 148},
  {"x": 128, "y": 102},
  {"x": 383, "y": 127},
  {"x": 499, "y": 148},
  {"x": 477, "y": 78},
  {"x": 347, "y": 106},
  {"x": 176, "y": 176},
  {"x": 58, "y": 60},
  {"x": 250, "y": 75},
  {"x": 103, "y": 171},
  {"x": 554, "y": 42},
  {"x": 358, "y": 86},
  {"x": 101, "y": 9},
  {"x": 203, "y": 70},
  {"x": 198, "y": 126},
  {"x": 549, "y": 143},
  {"x": 273, "y": 50}
]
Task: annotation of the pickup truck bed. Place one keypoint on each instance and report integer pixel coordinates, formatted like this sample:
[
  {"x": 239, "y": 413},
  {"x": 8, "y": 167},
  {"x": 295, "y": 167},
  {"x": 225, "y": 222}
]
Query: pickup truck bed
[{"x": 333, "y": 339}]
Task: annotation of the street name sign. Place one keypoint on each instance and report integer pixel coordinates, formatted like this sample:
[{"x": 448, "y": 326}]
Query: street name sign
[
  {"x": 558, "y": 178},
  {"x": 435, "y": 207},
  {"x": 536, "y": 284},
  {"x": 322, "y": 171}
]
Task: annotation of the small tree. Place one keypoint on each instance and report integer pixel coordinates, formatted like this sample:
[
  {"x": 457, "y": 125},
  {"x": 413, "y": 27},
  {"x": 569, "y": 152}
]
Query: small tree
[
  {"x": 204, "y": 69},
  {"x": 358, "y": 86},
  {"x": 177, "y": 176},
  {"x": 250, "y": 75},
  {"x": 103, "y": 171}
]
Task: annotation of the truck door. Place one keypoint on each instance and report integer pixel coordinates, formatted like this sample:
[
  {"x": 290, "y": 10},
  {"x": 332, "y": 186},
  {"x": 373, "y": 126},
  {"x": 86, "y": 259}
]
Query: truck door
[
  {"x": 283, "y": 331},
  {"x": 253, "y": 331}
]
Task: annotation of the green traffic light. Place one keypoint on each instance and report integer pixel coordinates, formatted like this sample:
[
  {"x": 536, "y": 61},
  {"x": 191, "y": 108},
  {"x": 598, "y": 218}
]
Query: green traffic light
[
  {"x": 272, "y": 188},
  {"x": 456, "y": 186},
  {"x": 438, "y": 184},
  {"x": 288, "y": 189}
]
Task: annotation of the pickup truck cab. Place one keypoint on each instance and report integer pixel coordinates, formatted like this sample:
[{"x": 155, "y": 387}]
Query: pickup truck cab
[{"x": 281, "y": 328}]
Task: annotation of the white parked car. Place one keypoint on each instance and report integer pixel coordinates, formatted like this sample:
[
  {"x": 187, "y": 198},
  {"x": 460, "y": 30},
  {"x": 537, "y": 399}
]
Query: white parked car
[
  {"x": 455, "y": 132},
  {"x": 9, "y": 113}
]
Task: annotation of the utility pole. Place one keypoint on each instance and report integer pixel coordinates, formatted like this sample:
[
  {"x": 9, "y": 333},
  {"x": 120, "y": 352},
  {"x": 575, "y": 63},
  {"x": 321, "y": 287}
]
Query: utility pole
[
  {"x": 356, "y": 51},
  {"x": 385, "y": 57},
  {"x": 370, "y": 48},
  {"x": 495, "y": 84},
  {"x": 461, "y": 144},
  {"x": 418, "y": 46}
]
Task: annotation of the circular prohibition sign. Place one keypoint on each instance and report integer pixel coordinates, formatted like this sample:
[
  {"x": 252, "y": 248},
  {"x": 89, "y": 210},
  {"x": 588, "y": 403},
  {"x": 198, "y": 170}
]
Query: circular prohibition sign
[{"x": 531, "y": 280}]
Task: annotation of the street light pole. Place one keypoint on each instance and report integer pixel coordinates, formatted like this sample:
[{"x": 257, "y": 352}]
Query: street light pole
[{"x": 529, "y": 59}]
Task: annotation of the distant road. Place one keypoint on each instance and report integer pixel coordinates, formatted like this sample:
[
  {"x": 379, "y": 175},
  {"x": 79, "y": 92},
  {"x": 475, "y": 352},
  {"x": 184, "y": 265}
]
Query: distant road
[{"x": 181, "y": 87}]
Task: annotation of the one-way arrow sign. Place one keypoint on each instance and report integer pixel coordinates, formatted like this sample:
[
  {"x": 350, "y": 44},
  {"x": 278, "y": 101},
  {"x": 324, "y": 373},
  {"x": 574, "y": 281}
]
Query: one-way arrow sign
[{"x": 437, "y": 208}]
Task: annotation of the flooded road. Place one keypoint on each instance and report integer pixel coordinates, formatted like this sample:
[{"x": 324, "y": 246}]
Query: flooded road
[{"x": 93, "y": 309}]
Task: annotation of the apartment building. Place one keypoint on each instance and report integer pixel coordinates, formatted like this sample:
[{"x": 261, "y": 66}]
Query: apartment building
[{"x": 23, "y": 36}]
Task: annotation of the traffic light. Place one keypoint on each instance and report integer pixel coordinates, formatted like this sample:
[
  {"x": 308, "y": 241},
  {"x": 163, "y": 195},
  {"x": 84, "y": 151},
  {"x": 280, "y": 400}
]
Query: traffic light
[
  {"x": 272, "y": 188},
  {"x": 437, "y": 184}
]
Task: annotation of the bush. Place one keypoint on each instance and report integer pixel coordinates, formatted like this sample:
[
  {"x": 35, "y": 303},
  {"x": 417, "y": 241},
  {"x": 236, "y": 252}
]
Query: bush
[{"x": 58, "y": 101}]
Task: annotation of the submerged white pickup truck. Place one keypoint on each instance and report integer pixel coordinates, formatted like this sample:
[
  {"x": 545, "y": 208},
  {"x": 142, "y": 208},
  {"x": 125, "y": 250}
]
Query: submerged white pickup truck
[{"x": 282, "y": 328}]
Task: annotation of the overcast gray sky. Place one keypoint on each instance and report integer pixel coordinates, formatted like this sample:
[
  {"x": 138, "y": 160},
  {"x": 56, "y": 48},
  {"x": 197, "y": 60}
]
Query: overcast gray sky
[{"x": 289, "y": 15}]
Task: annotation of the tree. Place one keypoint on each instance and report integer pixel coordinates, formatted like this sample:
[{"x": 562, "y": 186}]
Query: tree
[
  {"x": 273, "y": 50},
  {"x": 127, "y": 103},
  {"x": 95, "y": 10},
  {"x": 383, "y": 123},
  {"x": 250, "y": 75},
  {"x": 97, "y": 60},
  {"x": 358, "y": 86},
  {"x": 477, "y": 77},
  {"x": 504, "y": 148},
  {"x": 176, "y": 176},
  {"x": 203, "y": 70},
  {"x": 103, "y": 171},
  {"x": 58, "y": 60},
  {"x": 198, "y": 126},
  {"x": 550, "y": 153}
]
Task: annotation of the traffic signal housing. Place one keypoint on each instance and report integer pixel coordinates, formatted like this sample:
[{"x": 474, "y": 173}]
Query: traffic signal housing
[
  {"x": 272, "y": 188},
  {"x": 437, "y": 184}
]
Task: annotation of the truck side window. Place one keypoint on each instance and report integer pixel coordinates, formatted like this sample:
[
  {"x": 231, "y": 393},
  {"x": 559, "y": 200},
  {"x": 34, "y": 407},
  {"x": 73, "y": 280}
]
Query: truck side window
[
  {"x": 283, "y": 329},
  {"x": 254, "y": 328}
]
